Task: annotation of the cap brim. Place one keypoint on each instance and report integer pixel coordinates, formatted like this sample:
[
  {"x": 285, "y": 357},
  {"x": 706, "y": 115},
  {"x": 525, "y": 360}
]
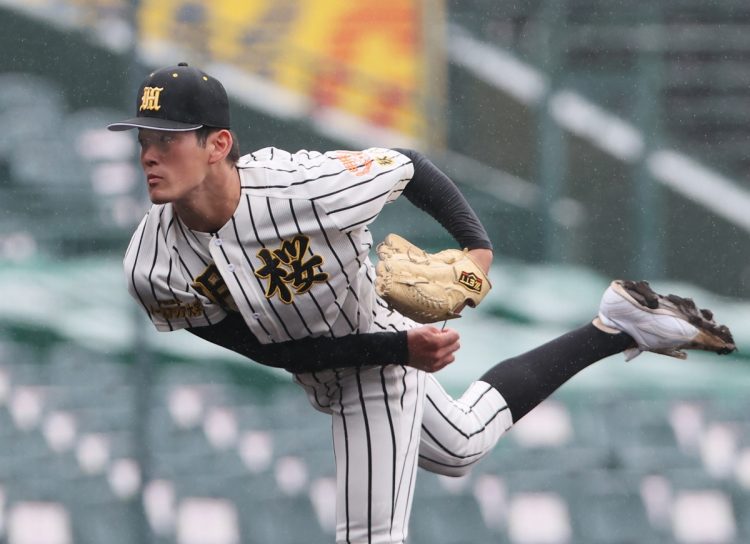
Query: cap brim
[{"x": 153, "y": 123}]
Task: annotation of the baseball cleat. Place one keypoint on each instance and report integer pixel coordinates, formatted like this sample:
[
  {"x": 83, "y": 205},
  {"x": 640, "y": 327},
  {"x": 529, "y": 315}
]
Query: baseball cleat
[{"x": 662, "y": 324}]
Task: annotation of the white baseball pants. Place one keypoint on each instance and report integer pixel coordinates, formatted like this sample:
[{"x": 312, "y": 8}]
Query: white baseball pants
[{"x": 386, "y": 420}]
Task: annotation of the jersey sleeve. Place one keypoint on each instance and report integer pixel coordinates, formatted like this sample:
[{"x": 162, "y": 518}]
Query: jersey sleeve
[
  {"x": 360, "y": 184},
  {"x": 157, "y": 280},
  {"x": 350, "y": 186}
]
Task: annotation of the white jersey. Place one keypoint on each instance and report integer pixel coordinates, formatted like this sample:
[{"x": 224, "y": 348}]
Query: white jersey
[
  {"x": 294, "y": 257},
  {"x": 294, "y": 261}
]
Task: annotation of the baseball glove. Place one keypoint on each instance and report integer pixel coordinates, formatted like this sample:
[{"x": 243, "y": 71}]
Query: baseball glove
[{"x": 427, "y": 287}]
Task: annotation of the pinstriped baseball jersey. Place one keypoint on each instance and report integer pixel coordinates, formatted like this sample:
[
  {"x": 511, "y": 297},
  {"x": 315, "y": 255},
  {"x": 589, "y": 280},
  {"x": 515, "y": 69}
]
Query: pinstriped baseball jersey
[
  {"x": 293, "y": 259},
  {"x": 293, "y": 262}
]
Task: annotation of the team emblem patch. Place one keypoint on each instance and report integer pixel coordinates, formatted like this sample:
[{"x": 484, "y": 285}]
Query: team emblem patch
[
  {"x": 384, "y": 160},
  {"x": 471, "y": 281},
  {"x": 150, "y": 99},
  {"x": 290, "y": 268}
]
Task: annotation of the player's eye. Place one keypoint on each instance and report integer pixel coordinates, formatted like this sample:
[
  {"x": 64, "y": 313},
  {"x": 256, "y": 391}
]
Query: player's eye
[{"x": 160, "y": 141}]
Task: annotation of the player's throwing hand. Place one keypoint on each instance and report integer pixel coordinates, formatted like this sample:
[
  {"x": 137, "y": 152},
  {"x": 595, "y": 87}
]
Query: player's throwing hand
[{"x": 431, "y": 349}]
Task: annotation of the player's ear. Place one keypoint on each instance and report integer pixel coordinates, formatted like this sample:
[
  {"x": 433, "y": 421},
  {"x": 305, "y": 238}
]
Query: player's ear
[{"x": 219, "y": 144}]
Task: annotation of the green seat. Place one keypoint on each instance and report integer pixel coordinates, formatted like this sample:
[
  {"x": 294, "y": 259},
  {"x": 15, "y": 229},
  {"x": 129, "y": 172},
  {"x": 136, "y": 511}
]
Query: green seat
[
  {"x": 282, "y": 520},
  {"x": 606, "y": 508},
  {"x": 449, "y": 519}
]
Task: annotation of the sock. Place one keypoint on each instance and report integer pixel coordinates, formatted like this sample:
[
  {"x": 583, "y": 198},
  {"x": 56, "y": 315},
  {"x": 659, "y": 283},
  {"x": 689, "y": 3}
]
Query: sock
[{"x": 526, "y": 380}]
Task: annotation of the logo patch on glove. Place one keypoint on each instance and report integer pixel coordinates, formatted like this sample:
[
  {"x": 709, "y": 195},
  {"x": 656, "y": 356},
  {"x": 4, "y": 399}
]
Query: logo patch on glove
[{"x": 471, "y": 281}]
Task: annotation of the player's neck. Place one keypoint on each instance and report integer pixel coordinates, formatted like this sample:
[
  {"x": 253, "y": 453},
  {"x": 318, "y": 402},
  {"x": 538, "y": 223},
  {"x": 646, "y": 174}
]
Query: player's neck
[{"x": 212, "y": 204}]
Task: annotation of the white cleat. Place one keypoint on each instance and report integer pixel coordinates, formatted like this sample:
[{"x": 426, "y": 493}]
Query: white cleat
[{"x": 662, "y": 324}]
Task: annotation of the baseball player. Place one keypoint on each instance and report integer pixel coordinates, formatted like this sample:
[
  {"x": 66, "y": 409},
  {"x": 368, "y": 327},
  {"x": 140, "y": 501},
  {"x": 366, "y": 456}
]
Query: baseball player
[{"x": 268, "y": 255}]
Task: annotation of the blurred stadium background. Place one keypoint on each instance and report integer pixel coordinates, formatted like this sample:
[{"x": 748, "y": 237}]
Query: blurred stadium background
[{"x": 597, "y": 139}]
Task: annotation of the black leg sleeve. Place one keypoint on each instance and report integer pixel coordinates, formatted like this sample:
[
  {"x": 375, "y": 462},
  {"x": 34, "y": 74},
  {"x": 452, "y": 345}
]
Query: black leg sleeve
[{"x": 528, "y": 379}]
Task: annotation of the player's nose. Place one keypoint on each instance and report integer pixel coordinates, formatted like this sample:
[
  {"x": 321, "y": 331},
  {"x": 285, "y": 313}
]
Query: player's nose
[{"x": 148, "y": 155}]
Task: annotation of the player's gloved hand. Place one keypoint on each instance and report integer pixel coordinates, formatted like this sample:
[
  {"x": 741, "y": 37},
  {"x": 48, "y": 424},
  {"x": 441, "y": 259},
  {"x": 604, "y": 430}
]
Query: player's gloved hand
[
  {"x": 483, "y": 259},
  {"x": 430, "y": 348},
  {"x": 430, "y": 287}
]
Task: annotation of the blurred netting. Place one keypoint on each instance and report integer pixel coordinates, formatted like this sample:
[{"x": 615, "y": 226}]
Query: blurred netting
[{"x": 702, "y": 47}]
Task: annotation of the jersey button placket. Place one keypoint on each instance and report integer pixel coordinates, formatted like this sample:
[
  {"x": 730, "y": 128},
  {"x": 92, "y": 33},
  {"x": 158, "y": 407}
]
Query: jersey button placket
[{"x": 221, "y": 259}]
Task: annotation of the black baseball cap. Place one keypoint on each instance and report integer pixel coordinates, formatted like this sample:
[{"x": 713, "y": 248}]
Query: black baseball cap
[{"x": 179, "y": 98}]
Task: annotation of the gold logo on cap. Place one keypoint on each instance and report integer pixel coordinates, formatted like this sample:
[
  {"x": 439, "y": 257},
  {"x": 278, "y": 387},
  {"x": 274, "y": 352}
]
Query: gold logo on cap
[{"x": 150, "y": 98}]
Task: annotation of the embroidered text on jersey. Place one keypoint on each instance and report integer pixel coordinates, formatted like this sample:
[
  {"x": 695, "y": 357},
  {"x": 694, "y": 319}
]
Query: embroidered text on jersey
[
  {"x": 288, "y": 265},
  {"x": 176, "y": 309},
  {"x": 210, "y": 284},
  {"x": 357, "y": 162}
]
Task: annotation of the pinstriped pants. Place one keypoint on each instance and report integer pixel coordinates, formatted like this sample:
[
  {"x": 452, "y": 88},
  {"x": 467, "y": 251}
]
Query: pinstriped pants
[{"x": 386, "y": 420}]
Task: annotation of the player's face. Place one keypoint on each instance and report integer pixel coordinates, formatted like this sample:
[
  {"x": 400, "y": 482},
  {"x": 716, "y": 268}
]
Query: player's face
[{"x": 174, "y": 164}]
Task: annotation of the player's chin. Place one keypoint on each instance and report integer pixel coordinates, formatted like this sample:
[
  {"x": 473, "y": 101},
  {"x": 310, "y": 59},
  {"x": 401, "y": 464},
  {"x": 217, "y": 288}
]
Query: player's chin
[{"x": 158, "y": 197}]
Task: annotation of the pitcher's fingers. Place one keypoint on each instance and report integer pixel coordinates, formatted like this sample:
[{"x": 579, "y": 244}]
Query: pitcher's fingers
[
  {"x": 444, "y": 362},
  {"x": 449, "y": 336}
]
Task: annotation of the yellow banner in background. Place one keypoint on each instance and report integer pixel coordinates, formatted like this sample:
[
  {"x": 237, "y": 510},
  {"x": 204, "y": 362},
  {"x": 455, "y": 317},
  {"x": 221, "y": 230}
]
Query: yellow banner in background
[{"x": 367, "y": 58}]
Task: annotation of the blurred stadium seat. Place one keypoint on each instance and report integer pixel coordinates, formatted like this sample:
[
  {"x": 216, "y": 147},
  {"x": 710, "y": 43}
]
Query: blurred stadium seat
[
  {"x": 448, "y": 513},
  {"x": 592, "y": 484}
]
